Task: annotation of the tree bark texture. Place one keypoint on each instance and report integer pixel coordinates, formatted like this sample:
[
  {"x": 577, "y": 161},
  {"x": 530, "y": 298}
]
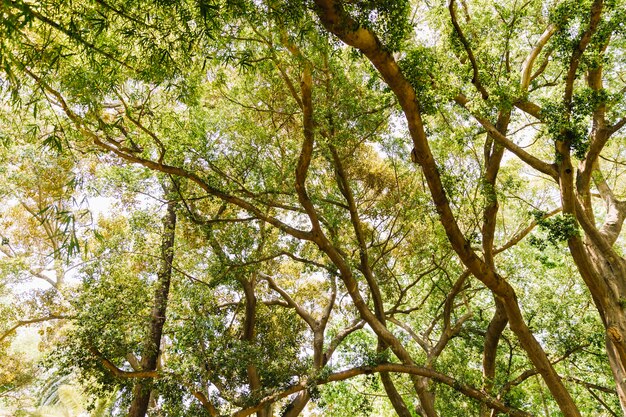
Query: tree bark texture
[{"x": 152, "y": 343}]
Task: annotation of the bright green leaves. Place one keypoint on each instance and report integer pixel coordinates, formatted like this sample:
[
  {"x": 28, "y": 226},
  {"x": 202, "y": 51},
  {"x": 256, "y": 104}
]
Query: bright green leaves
[
  {"x": 561, "y": 126},
  {"x": 387, "y": 18},
  {"x": 342, "y": 400},
  {"x": 558, "y": 228},
  {"x": 572, "y": 19},
  {"x": 570, "y": 124},
  {"x": 420, "y": 69},
  {"x": 564, "y": 12},
  {"x": 211, "y": 89}
]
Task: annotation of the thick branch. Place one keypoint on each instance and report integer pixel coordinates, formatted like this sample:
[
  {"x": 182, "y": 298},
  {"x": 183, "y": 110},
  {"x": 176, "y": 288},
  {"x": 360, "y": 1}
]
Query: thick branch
[
  {"x": 615, "y": 210},
  {"x": 308, "y": 318},
  {"x": 117, "y": 372},
  {"x": 335, "y": 19},
  {"x": 527, "y": 66}
]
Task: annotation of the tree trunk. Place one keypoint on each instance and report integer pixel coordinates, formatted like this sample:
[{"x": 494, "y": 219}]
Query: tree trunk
[
  {"x": 152, "y": 344},
  {"x": 609, "y": 278},
  {"x": 249, "y": 335},
  {"x": 492, "y": 337},
  {"x": 394, "y": 396},
  {"x": 619, "y": 372},
  {"x": 426, "y": 397},
  {"x": 297, "y": 405}
]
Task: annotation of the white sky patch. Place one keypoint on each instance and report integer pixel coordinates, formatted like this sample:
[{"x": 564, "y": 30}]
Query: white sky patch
[{"x": 101, "y": 206}]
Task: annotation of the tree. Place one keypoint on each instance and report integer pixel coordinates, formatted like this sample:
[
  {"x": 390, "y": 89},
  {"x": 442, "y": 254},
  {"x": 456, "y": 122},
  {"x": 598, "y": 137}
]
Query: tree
[{"x": 228, "y": 97}]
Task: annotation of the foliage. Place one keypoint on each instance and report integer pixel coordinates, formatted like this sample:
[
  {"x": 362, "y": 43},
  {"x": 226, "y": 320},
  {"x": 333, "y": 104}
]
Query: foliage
[{"x": 287, "y": 215}]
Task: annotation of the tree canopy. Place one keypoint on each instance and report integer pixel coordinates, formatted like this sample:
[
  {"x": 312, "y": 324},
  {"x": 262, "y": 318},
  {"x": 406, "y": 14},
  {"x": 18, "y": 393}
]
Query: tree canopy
[{"x": 320, "y": 207}]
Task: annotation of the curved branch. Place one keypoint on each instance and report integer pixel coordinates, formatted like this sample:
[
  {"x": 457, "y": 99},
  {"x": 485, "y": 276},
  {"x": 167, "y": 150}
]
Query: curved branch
[
  {"x": 468, "y": 50},
  {"x": 117, "y": 372},
  {"x": 337, "y": 20},
  {"x": 306, "y": 316},
  {"x": 463, "y": 388},
  {"x": 517, "y": 150},
  {"x": 306, "y": 153},
  {"x": 161, "y": 167},
  {"x": 617, "y": 126},
  {"x": 527, "y": 66},
  {"x": 28, "y": 322},
  {"x": 356, "y": 325},
  {"x": 529, "y": 108},
  {"x": 523, "y": 233},
  {"x": 530, "y": 372}
]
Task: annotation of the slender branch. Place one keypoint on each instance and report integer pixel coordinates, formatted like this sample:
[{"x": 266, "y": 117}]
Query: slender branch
[
  {"x": 72, "y": 35},
  {"x": 168, "y": 169},
  {"x": 28, "y": 322},
  {"x": 523, "y": 233},
  {"x": 117, "y": 372},
  {"x": 35, "y": 273},
  {"x": 517, "y": 150},
  {"x": 530, "y": 372},
  {"x": 579, "y": 50},
  {"x": 463, "y": 388},
  {"x": 424, "y": 343},
  {"x": 306, "y": 316},
  {"x": 617, "y": 126},
  {"x": 306, "y": 153},
  {"x": 449, "y": 330},
  {"x": 604, "y": 404},
  {"x": 590, "y": 385},
  {"x": 468, "y": 50}
]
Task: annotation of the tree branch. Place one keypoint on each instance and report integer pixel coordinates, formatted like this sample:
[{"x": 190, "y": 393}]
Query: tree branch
[
  {"x": 463, "y": 388},
  {"x": 527, "y": 66},
  {"x": 117, "y": 372},
  {"x": 579, "y": 50},
  {"x": 468, "y": 50},
  {"x": 531, "y": 160},
  {"x": 22, "y": 323}
]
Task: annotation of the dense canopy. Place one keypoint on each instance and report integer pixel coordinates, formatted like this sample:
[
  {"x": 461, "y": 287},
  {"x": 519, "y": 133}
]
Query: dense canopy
[{"x": 316, "y": 208}]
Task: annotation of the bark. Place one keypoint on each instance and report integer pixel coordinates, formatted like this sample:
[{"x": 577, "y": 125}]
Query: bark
[
  {"x": 492, "y": 337},
  {"x": 152, "y": 344},
  {"x": 392, "y": 393},
  {"x": 394, "y": 396},
  {"x": 618, "y": 370},
  {"x": 600, "y": 266},
  {"x": 426, "y": 397},
  {"x": 249, "y": 335},
  {"x": 493, "y": 157},
  {"x": 337, "y": 21},
  {"x": 297, "y": 405},
  {"x": 609, "y": 304}
]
